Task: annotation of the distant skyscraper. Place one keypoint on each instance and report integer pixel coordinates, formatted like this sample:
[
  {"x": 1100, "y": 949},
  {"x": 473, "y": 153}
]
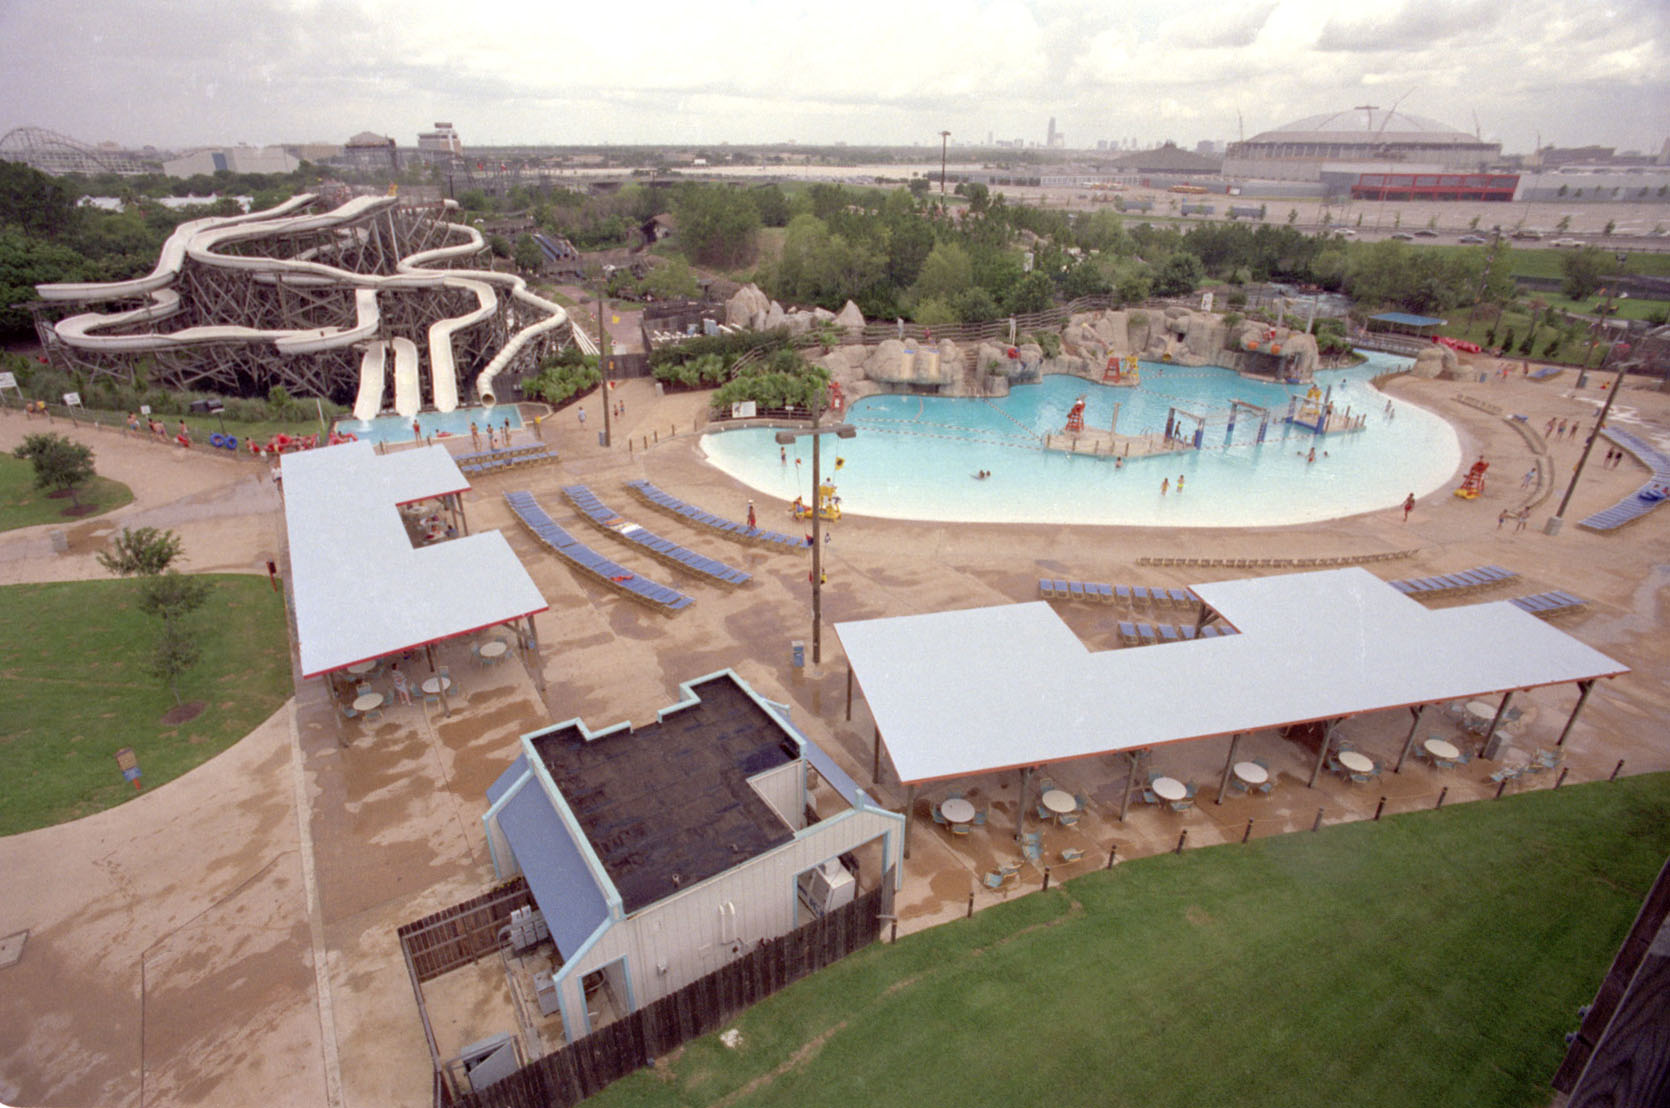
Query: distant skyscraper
[{"x": 1052, "y": 139}]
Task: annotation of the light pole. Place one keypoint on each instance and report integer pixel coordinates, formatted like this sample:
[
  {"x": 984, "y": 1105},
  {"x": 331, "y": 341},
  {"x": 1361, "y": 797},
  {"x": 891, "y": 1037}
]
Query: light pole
[
  {"x": 944, "y": 136},
  {"x": 603, "y": 351},
  {"x": 839, "y": 430},
  {"x": 1555, "y": 521}
]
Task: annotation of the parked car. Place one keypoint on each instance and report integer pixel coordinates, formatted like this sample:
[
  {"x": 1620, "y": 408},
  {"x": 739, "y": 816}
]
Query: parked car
[
  {"x": 1526, "y": 233},
  {"x": 1427, "y": 233},
  {"x": 1344, "y": 233},
  {"x": 1472, "y": 240},
  {"x": 1564, "y": 242},
  {"x": 1403, "y": 235}
]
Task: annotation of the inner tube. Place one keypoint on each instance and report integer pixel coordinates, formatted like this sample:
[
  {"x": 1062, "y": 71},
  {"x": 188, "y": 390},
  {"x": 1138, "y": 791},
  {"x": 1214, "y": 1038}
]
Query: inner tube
[
  {"x": 217, "y": 439},
  {"x": 231, "y": 442}
]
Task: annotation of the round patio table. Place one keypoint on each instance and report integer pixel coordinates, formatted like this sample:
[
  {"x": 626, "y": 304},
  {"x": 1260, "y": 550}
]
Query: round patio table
[
  {"x": 434, "y": 685},
  {"x": 1441, "y": 750},
  {"x": 1251, "y": 773},
  {"x": 1059, "y": 801},
  {"x": 957, "y": 810},
  {"x": 365, "y": 702},
  {"x": 1169, "y": 788},
  {"x": 1480, "y": 710},
  {"x": 1355, "y": 762},
  {"x": 360, "y": 669},
  {"x": 492, "y": 649}
]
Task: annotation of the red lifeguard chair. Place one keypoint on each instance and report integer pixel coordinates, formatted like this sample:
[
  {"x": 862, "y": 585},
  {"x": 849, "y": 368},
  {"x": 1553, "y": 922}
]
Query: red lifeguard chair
[
  {"x": 1473, "y": 484},
  {"x": 1075, "y": 417}
]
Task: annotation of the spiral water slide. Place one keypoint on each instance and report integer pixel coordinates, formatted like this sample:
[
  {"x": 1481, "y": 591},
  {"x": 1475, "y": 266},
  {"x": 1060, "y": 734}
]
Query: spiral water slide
[{"x": 199, "y": 240}]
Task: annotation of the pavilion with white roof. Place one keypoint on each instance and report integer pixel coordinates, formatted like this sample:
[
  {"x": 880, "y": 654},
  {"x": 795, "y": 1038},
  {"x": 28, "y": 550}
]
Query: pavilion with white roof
[
  {"x": 361, "y": 589},
  {"x": 1012, "y": 686}
]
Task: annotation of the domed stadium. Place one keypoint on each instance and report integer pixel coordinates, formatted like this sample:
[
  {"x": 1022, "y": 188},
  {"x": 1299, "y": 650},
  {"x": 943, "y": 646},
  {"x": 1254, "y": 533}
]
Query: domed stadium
[{"x": 1297, "y": 151}]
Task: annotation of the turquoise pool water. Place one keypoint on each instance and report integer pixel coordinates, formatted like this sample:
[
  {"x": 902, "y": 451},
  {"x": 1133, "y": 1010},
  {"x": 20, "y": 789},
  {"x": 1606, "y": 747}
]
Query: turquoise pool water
[
  {"x": 915, "y": 457},
  {"x": 394, "y": 428}
]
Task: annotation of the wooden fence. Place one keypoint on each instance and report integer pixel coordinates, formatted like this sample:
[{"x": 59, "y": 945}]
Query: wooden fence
[
  {"x": 587, "y": 1066},
  {"x": 991, "y": 330},
  {"x": 459, "y": 935}
]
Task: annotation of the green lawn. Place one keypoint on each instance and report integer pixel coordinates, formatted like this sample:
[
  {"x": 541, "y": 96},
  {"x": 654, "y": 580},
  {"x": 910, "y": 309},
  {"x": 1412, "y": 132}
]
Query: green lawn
[
  {"x": 1432, "y": 959},
  {"x": 74, "y": 666},
  {"x": 1627, "y": 308},
  {"x": 24, "y": 505}
]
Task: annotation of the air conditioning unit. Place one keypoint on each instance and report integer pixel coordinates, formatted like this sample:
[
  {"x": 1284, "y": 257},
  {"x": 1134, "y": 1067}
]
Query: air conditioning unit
[
  {"x": 527, "y": 929},
  {"x": 828, "y": 887}
]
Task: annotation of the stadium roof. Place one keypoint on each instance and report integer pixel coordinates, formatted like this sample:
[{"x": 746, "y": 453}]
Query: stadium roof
[
  {"x": 1367, "y": 125},
  {"x": 1013, "y": 686}
]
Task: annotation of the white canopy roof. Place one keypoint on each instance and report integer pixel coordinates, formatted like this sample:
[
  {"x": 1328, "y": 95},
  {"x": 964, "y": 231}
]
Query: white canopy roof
[
  {"x": 361, "y": 589},
  {"x": 966, "y": 692}
]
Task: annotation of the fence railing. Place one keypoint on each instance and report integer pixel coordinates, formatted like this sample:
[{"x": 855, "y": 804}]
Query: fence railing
[
  {"x": 587, "y": 1066},
  {"x": 461, "y": 934}
]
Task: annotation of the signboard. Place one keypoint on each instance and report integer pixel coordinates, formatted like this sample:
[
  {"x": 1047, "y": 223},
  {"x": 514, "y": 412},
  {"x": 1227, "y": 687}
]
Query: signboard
[
  {"x": 129, "y": 765},
  {"x": 1206, "y": 301},
  {"x": 144, "y": 409},
  {"x": 72, "y": 400},
  {"x": 8, "y": 380},
  {"x": 745, "y": 409}
]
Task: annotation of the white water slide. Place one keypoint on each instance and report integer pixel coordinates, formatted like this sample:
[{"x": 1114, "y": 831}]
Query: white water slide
[
  {"x": 370, "y": 399},
  {"x": 199, "y": 239}
]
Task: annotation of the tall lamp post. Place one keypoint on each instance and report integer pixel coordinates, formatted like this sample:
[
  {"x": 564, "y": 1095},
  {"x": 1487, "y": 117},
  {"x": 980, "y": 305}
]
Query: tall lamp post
[
  {"x": 842, "y": 431},
  {"x": 1555, "y": 521},
  {"x": 603, "y": 352},
  {"x": 944, "y": 137}
]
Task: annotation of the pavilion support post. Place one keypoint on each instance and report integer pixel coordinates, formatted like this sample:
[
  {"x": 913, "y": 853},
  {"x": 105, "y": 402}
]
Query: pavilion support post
[
  {"x": 538, "y": 664},
  {"x": 1321, "y": 755},
  {"x": 875, "y": 758},
  {"x": 1229, "y": 766},
  {"x": 1130, "y": 779},
  {"x": 1585, "y": 688},
  {"x": 1492, "y": 740},
  {"x": 440, "y": 682},
  {"x": 910, "y": 815},
  {"x": 1020, "y": 804},
  {"x": 463, "y": 521},
  {"x": 1409, "y": 739},
  {"x": 849, "y": 692}
]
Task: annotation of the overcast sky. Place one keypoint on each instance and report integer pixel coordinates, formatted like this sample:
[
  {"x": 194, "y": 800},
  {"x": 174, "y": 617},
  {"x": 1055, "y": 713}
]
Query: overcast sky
[{"x": 862, "y": 71}]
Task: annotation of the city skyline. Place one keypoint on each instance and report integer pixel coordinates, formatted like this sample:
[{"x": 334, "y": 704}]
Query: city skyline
[{"x": 270, "y": 71}]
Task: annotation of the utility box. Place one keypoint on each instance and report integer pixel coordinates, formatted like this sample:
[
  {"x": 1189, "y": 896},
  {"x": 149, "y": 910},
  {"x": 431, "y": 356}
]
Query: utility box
[
  {"x": 545, "y": 992},
  {"x": 797, "y": 652}
]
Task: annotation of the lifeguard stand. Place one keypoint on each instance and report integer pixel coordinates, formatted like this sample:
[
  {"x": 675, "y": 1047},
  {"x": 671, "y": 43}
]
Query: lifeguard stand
[
  {"x": 1075, "y": 417},
  {"x": 1122, "y": 370},
  {"x": 1472, "y": 485}
]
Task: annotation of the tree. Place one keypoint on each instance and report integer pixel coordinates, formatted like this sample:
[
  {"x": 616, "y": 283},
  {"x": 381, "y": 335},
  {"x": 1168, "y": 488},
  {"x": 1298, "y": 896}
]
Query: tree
[
  {"x": 716, "y": 225},
  {"x": 528, "y": 256},
  {"x": 175, "y": 653},
  {"x": 1179, "y": 274},
  {"x": 141, "y": 552},
  {"x": 1584, "y": 269},
  {"x": 1033, "y": 293},
  {"x": 172, "y": 596},
  {"x": 946, "y": 271},
  {"x": 974, "y": 305},
  {"x": 60, "y": 465},
  {"x": 673, "y": 279}
]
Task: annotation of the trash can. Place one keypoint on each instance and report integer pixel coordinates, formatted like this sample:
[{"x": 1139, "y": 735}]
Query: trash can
[
  {"x": 797, "y": 650},
  {"x": 600, "y": 438},
  {"x": 660, "y": 390}
]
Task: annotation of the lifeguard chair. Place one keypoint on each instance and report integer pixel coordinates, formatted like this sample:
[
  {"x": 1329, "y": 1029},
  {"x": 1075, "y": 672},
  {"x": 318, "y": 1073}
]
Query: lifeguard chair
[
  {"x": 1473, "y": 484},
  {"x": 1075, "y": 417},
  {"x": 1122, "y": 370}
]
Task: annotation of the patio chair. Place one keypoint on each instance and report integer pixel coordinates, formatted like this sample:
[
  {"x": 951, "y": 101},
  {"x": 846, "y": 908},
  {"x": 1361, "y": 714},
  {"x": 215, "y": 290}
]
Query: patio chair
[
  {"x": 994, "y": 880},
  {"x": 1042, "y": 812},
  {"x": 1149, "y": 797},
  {"x": 1072, "y": 854},
  {"x": 1068, "y": 819},
  {"x": 1009, "y": 869},
  {"x": 1181, "y": 805},
  {"x": 347, "y": 711},
  {"x": 939, "y": 817},
  {"x": 1033, "y": 850},
  {"x": 1127, "y": 633},
  {"x": 959, "y": 829},
  {"x": 980, "y": 817}
]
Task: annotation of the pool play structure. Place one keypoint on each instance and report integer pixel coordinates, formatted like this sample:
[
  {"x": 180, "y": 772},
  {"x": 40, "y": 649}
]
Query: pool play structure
[
  {"x": 921, "y": 457},
  {"x": 323, "y": 302}
]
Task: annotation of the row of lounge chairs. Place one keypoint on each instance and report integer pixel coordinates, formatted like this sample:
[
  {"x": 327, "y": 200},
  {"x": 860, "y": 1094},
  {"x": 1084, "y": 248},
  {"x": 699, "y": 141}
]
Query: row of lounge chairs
[
  {"x": 1054, "y": 588},
  {"x": 547, "y": 531},
  {"x": 1279, "y": 563},
  {"x": 664, "y": 550},
  {"x": 730, "y": 529},
  {"x": 1143, "y": 634},
  {"x": 1642, "y": 500},
  {"x": 498, "y": 461},
  {"x": 1479, "y": 577},
  {"x": 1545, "y": 604}
]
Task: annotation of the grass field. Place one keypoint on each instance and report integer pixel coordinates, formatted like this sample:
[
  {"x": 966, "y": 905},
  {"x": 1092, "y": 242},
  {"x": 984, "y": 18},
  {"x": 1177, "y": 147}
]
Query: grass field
[
  {"x": 1432, "y": 959},
  {"x": 24, "y": 505},
  {"x": 74, "y": 663}
]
